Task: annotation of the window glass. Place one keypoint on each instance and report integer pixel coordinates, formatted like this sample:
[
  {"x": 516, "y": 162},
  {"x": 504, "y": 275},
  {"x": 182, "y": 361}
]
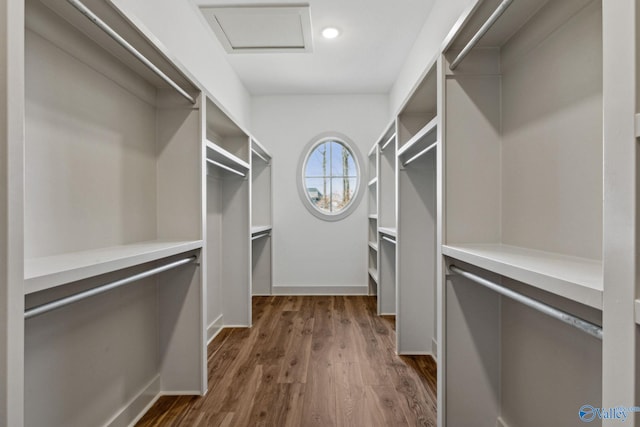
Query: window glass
[{"x": 330, "y": 176}]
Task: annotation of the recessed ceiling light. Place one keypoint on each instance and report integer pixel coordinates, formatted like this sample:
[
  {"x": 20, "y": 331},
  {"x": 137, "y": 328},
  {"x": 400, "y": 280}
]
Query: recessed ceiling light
[{"x": 330, "y": 33}]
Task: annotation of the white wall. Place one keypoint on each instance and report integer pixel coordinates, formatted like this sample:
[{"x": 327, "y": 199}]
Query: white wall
[
  {"x": 181, "y": 29},
  {"x": 311, "y": 255},
  {"x": 443, "y": 16}
]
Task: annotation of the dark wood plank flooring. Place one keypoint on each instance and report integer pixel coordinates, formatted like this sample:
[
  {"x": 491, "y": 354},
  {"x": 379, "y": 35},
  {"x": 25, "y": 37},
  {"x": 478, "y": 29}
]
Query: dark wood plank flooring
[{"x": 308, "y": 361}]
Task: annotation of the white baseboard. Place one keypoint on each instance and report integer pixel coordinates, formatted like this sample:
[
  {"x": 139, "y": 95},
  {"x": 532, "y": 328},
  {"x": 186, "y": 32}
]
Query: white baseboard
[
  {"x": 260, "y": 295},
  {"x": 182, "y": 393},
  {"x": 135, "y": 409},
  {"x": 320, "y": 290},
  {"x": 387, "y": 314},
  {"x": 214, "y": 328},
  {"x": 415, "y": 353}
]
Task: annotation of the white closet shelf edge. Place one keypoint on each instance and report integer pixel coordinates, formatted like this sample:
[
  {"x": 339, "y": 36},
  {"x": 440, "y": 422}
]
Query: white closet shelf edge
[
  {"x": 574, "y": 278},
  {"x": 427, "y": 130},
  {"x": 260, "y": 229},
  {"x": 219, "y": 154},
  {"x": 256, "y": 146},
  {"x": 51, "y": 271},
  {"x": 392, "y": 232}
]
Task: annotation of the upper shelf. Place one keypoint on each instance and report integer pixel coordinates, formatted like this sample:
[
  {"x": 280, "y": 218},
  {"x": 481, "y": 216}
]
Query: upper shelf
[
  {"x": 421, "y": 143},
  {"x": 222, "y": 157},
  {"x": 577, "y": 279},
  {"x": 392, "y": 232},
  {"x": 259, "y": 151},
  {"x": 51, "y": 271},
  {"x": 260, "y": 229}
]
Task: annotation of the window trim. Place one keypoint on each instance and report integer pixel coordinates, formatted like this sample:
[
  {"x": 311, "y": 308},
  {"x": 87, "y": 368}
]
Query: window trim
[{"x": 301, "y": 178}]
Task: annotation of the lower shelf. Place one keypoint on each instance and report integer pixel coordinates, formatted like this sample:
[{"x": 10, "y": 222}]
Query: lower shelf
[
  {"x": 48, "y": 272},
  {"x": 577, "y": 279}
]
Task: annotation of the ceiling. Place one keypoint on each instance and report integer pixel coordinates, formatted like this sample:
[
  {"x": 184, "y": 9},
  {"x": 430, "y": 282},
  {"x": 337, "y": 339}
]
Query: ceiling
[{"x": 376, "y": 37}]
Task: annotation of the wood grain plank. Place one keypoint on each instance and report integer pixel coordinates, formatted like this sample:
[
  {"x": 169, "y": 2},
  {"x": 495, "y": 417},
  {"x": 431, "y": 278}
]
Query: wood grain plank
[
  {"x": 220, "y": 419},
  {"x": 295, "y": 363},
  {"x": 383, "y": 401},
  {"x": 319, "y": 405},
  {"x": 351, "y": 405}
]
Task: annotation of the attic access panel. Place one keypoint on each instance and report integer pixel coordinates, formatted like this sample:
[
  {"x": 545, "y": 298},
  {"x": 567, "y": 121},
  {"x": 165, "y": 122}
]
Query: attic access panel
[{"x": 254, "y": 29}]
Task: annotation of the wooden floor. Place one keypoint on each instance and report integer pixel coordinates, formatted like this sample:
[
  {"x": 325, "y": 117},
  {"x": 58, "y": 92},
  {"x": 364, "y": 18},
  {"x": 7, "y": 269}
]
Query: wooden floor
[{"x": 308, "y": 361}]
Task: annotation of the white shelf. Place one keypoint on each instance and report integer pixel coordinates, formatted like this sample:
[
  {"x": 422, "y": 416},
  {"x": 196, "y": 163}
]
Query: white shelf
[
  {"x": 373, "y": 245},
  {"x": 259, "y": 150},
  {"x": 374, "y": 274},
  {"x": 387, "y": 142},
  {"x": 220, "y": 155},
  {"x": 260, "y": 229},
  {"x": 428, "y": 130},
  {"x": 373, "y": 217},
  {"x": 637, "y": 311},
  {"x": 51, "y": 271},
  {"x": 578, "y": 279},
  {"x": 388, "y": 231},
  {"x": 374, "y": 181}
]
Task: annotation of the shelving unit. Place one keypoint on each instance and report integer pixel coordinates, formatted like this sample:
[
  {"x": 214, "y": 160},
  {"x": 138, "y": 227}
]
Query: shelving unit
[
  {"x": 228, "y": 222},
  {"x": 523, "y": 202},
  {"x": 261, "y": 220},
  {"x": 386, "y": 148},
  {"x": 417, "y": 219},
  {"x": 113, "y": 171},
  {"x": 373, "y": 191}
]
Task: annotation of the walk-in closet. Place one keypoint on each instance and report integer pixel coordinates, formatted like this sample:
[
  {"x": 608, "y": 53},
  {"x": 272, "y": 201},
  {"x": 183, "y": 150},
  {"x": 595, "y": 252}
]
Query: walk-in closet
[{"x": 331, "y": 213}]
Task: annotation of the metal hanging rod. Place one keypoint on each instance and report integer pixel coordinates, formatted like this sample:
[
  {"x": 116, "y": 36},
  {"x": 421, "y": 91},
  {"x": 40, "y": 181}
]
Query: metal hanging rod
[
  {"x": 585, "y": 326},
  {"x": 225, "y": 167},
  {"x": 481, "y": 32},
  {"x": 388, "y": 142},
  {"x": 426, "y": 150},
  {"x": 53, "y": 305},
  {"x": 388, "y": 239},
  {"x": 254, "y": 151},
  {"x": 128, "y": 47},
  {"x": 258, "y": 236}
]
